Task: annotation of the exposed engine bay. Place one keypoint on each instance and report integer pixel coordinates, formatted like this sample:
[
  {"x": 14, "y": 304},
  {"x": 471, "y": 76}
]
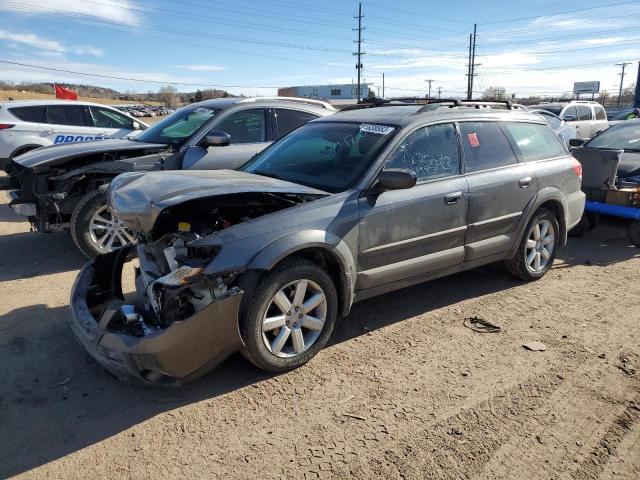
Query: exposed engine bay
[
  {"x": 170, "y": 285},
  {"x": 55, "y": 189}
]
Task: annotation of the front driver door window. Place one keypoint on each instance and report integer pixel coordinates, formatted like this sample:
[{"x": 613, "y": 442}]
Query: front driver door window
[
  {"x": 247, "y": 126},
  {"x": 406, "y": 233},
  {"x": 247, "y": 129}
]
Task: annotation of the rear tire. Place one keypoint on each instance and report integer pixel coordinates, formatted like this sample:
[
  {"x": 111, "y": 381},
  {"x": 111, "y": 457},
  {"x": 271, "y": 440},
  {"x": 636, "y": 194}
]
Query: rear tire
[
  {"x": 94, "y": 230},
  {"x": 538, "y": 247},
  {"x": 289, "y": 316},
  {"x": 581, "y": 229},
  {"x": 633, "y": 232}
]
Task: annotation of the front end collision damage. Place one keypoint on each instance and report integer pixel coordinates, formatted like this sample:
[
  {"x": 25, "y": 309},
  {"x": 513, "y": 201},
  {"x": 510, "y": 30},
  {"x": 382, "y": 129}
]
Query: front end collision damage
[
  {"x": 199, "y": 239},
  {"x": 174, "y": 330},
  {"x": 53, "y": 188}
]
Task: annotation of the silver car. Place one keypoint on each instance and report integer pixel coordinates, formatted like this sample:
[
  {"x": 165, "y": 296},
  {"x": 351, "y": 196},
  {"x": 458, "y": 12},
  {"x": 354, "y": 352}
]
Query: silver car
[
  {"x": 357, "y": 204},
  {"x": 60, "y": 187},
  {"x": 563, "y": 129}
]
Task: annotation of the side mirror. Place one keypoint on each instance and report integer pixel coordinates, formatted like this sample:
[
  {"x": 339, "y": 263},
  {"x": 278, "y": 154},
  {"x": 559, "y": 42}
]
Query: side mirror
[
  {"x": 569, "y": 118},
  {"x": 218, "y": 138},
  {"x": 577, "y": 142},
  {"x": 396, "y": 179},
  {"x": 137, "y": 126}
]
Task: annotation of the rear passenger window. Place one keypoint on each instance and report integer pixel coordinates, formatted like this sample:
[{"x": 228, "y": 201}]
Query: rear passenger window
[
  {"x": 485, "y": 146},
  {"x": 66, "y": 115},
  {"x": 584, "y": 112},
  {"x": 600, "y": 113},
  {"x": 289, "y": 120},
  {"x": 534, "y": 142},
  {"x": 28, "y": 114},
  {"x": 431, "y": 152}
]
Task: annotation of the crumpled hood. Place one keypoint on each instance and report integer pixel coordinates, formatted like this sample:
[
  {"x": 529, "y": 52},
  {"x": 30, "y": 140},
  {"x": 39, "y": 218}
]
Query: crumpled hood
[
  {"x": 56, "y": 154},
  {"x": 138, "y": 197}
]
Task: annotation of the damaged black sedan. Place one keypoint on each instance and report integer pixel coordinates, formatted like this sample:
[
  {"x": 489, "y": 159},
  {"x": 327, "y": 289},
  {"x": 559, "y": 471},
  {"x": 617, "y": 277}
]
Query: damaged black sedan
[
  {"x": 62, "y": 187},
  {"x": 264, "y": 260}
]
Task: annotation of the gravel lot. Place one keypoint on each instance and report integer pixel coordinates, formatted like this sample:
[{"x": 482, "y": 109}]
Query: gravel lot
[{"x": 403, "y": 391}]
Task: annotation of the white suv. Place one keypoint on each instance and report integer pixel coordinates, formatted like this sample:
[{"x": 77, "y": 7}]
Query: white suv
[
  {"x": 25, "y": 125},
  {"x": 588, "y": 117}
]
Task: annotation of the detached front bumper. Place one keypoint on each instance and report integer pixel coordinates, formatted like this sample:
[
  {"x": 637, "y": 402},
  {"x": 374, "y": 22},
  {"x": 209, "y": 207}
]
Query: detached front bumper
[{"x": 169, "y": 356}]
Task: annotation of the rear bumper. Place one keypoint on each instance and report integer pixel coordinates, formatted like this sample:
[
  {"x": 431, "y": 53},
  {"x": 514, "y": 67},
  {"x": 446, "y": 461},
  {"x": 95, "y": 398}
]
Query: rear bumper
[
  {"x": 168, "y": 357},
  {"x": 575, "y": 208}
]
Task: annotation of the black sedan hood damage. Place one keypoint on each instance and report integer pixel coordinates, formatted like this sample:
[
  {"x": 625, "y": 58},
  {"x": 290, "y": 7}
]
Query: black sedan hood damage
[
  {"x": 140, "y": 198},
  {"x": 46, "y": 157}
]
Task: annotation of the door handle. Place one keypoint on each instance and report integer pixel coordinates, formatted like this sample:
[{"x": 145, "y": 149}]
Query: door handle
[
  {"x": 49, "y": 132},
  {"x": 525, "y": 182},
  {"x": 452, "y": 198}
]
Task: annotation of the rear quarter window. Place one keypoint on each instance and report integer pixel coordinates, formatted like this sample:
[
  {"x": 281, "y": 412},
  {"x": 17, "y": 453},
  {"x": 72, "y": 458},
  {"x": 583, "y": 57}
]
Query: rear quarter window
[
  {"x": 28, "y": 114},
  {"x": 534, "y": 141},
  {"x": 485, "y": 146}
]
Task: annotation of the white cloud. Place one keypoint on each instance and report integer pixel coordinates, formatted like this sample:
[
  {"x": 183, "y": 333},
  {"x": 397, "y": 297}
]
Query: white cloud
[
  {"x": 35, "y": 41},
  {"x": 201, "y": 68},
  {"x": 122, "y": 11}
]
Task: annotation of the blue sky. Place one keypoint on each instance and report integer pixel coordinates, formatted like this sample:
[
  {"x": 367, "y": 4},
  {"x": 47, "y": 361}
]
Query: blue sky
[{"x": 254, "y": 46}]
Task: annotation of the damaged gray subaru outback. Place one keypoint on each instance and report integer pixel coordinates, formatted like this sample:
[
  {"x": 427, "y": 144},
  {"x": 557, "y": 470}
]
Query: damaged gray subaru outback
[{"x": 265, "y": 259}]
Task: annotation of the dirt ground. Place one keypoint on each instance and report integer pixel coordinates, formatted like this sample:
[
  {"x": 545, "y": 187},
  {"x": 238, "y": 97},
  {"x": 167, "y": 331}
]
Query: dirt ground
[{"x": 404, "y": 390}]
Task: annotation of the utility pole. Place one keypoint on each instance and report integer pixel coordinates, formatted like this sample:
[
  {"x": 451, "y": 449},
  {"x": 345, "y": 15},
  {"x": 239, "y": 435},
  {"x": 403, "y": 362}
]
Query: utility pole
[
  {"x": 359, "y": 53},
  {"x": 383, "y": 85},
  {"x": 429, "y": 81},
  {"x": 469, "y": 68},
  {"x": 473, "y": 61},
  {"x": 439, "y": 92},
  {"x": 623, "y": 65},
  {"x": 636, "y": 97}
]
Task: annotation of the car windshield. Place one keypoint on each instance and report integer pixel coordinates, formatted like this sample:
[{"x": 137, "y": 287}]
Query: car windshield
[
  {"x": 555, "y": 109},
  {"x": 178, "y": 127},
  {"x": 625, "y": 136},
  {"x": 329, "y": 156}
]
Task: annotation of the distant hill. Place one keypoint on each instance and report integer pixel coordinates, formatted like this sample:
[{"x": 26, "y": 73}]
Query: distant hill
[{"x": 26, "y": 90}]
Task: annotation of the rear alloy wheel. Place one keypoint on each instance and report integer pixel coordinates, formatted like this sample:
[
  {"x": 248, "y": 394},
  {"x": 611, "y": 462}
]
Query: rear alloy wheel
[
  {"x": 289, "y": 316},
  {"x": 95, "y": 230},
  {"x": 538, "y": 247}
]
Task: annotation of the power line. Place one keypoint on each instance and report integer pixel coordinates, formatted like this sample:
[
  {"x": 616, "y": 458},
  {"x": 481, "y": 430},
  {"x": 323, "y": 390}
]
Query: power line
[
  {"x": 564, "y": 37},
  {"x": 559, "y": 13},
  {"x": 131, "y": 79},
  {"x": 583, "y": 23}
]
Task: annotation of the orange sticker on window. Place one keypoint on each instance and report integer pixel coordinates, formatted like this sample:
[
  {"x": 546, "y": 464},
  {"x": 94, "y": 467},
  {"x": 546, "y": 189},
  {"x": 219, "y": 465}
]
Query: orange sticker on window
[{"x": 473, "y": 140}]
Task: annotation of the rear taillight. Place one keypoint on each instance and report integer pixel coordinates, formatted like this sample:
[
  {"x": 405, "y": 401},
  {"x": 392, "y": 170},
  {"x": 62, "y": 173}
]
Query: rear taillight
[
  {"x": 577, "y": 167},
  {"x": 4, "y": 126}
]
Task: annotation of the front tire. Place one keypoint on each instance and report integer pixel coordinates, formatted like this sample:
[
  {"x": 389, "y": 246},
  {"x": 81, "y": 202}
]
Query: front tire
[
  {"x": 95, "y": 230},
  {"x": 289, "y": 316},
  {"x": 538, "y": 247}
]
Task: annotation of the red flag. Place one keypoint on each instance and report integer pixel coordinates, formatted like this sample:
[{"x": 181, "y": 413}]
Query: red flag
[{"x": 65, "y": 93}]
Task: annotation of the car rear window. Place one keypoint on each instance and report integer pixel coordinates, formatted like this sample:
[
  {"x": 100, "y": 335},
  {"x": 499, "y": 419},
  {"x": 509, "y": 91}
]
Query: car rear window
[
  {"x": 66, "y": 115},
  {"x": 28, "y": 114},
  {"x": 534, "y": 141},
  {"x": 600, "y": 113},
  {"x": 288, "y": 120},
  {"x": 485, "y": 146}
]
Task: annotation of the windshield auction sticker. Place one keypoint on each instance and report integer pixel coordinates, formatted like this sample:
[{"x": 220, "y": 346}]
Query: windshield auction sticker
[{"x": 377, "y": 129}]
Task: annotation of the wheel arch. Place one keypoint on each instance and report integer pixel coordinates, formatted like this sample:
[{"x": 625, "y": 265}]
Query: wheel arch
[
  {"x": 554, "y": 201},
  {"x": 26, "y": 148},
  {"x": 322, "y": 248}
]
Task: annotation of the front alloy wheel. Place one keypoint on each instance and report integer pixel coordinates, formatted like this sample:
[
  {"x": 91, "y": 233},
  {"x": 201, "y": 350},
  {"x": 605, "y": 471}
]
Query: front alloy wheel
[
  {"x": 107, "y": 231},
  {"x": 294, "y": 319},
  {"x": 94, "y": 229},
  {"x": 287, "y": 316}
]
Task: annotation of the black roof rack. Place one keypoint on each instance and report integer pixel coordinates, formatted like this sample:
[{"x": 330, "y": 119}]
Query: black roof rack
[{"x": 427, "y": 102}]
